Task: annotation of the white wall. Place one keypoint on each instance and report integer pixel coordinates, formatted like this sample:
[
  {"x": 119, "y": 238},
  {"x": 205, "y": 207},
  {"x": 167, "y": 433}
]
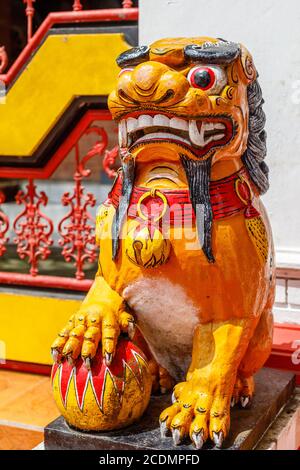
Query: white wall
[{"x": 270, "y": 29}]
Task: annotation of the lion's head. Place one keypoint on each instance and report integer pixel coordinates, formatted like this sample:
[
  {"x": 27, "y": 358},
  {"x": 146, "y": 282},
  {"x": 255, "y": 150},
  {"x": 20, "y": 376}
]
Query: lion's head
[{"x": 196, "y": 100}]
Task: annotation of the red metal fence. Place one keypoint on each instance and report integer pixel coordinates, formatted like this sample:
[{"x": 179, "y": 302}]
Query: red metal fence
[{"x": 33, "y": 229}]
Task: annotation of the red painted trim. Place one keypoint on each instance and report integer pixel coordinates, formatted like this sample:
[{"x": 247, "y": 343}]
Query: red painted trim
[
  {"x": 284, "y": 347},
  {"x": 288, "y": 273},
  {"x": 47, "y": 282},
  {"x": 28, "y": 367},
  {"x": 115, "y": 14},
  {"x": 62, "y": 151},
  {"x": 277, "y": 362}
]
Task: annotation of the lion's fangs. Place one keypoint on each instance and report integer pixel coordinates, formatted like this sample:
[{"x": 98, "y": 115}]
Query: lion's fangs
[{"x": 198, "y": 132}]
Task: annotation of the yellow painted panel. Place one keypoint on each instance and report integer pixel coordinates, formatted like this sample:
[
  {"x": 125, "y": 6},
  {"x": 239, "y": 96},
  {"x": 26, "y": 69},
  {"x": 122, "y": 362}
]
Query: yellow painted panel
[
  {"x": 29, "y": 324},
  {"x": 65, "y": 66}
]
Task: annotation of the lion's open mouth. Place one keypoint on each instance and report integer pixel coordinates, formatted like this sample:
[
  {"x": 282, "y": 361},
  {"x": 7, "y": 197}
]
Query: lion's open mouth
[{"x": 198, "y": 135}]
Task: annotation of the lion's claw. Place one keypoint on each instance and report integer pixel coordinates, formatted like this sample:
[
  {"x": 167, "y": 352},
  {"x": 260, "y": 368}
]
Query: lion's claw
[
  {"x": 198, "y": 414},
  {"x": 108, "y": 358},
  {"x": 55, "y": 355},
  {"x": 245, "y": 402},
  {"x": 87, "y": 362},
  {"x": 176, "y": 436},
  {"x": 243, "y": 392},
  {"x": 198, "y": 439},
  {"x": 163, "y": 429},
  {"x": 131, "y": 329},
  {"x": 70, "y": 360},
  {"x": 218, "y": 438}
]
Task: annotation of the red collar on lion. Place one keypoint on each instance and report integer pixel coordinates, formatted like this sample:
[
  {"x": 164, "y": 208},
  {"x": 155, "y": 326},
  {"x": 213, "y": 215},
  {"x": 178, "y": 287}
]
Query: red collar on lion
[{"x": 228, "y": 196}]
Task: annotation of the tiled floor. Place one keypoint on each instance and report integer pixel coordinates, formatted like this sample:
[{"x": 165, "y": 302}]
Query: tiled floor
[{"x": 26, "y": 406}]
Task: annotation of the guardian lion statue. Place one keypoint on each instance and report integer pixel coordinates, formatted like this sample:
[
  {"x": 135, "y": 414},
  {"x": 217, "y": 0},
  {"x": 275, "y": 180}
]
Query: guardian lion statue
[{"x": 186, "y": 265}]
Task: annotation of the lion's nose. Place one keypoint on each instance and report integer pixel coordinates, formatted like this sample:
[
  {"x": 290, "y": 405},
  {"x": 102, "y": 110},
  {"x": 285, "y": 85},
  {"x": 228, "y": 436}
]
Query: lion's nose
[
  {"x": 146, "y": 77},
  {"x": 152, "y": 82}
]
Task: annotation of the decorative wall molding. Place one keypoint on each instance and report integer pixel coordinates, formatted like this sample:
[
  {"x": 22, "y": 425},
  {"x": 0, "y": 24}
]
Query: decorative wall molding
[{"x": 289, "y": 257}]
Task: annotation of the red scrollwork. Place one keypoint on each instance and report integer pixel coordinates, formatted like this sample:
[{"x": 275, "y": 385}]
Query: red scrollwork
[
  {"x": 109, "y": 161},
  {"x": 32, "y": 227},
  {"x": 77, "y": 228},
  {"x": 30, "y": 14},
  {"x": 4, "y": 226},
  {"x": 3, "y": 59}
]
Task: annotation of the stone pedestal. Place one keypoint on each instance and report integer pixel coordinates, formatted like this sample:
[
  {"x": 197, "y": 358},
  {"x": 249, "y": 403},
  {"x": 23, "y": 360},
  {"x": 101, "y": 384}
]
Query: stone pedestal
[{"x": 273, "y": 390}]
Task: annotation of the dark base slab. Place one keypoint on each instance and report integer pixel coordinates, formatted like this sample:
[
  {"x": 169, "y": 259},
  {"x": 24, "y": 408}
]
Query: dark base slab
[{"x": 273, "y": 390}]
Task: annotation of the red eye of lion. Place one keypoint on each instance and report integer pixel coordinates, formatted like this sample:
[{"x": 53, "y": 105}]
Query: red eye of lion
[
  {"x": 210, "y": 78},
  {"x": 202, "y": 77}
]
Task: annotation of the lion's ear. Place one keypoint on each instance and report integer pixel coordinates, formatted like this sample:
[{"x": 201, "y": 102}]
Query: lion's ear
[{"x": 247, "y": 70}]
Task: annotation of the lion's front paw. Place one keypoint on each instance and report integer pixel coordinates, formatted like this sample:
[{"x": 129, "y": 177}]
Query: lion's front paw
[
  {"x": 197, "y": 413},
  {"x": 84, "y": 331}
]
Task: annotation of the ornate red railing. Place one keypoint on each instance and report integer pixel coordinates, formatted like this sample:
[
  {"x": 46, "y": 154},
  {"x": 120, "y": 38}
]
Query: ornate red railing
[
  {"x": 33, "y": 229},
  {"x": 77, "y": 227},
  {"x": 77, "y": 6},
  {"x": 34, "y": 232},
  {"x": 4, "y": 226},
  {"x": 30, "y": 14},
  {"x": 3, "y": 59}
]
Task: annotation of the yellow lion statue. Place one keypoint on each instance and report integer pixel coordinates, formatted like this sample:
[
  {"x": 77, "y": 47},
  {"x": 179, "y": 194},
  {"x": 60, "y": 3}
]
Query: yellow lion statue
[{"x": 186, "y": 265}]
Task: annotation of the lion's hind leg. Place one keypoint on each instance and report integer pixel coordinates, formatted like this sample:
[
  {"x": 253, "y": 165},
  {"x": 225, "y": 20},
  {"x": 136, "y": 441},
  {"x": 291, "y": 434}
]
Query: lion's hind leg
[{"x": 257, "y": 353}]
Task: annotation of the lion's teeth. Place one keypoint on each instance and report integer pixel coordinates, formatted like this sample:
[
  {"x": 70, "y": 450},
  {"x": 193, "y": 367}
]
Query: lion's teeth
[
  {"x": 161, "y": 136},
  {"x": 208, "y": 126},
  {"x": 177, "y": 123},
  {"x": 144, "y": 121},
  {"x": 196, "y": 137},
  {"x": 131, "y": 124},
  {"x": 218, "y": 136},
  {"x": 219, "y": 125},
  {"x": 160, "y": 120},
  {"x": 122, "y": 134}
]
